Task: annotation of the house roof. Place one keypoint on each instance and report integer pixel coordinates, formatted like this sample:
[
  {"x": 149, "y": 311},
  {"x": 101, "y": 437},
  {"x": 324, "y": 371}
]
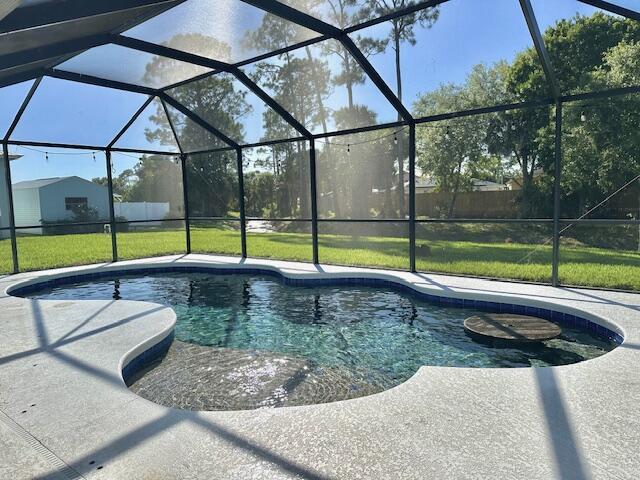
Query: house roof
[
  {"x": 431, "y": 183},
  {"x": 486, "y": 183},
  {"x": 42, "y": 182}
]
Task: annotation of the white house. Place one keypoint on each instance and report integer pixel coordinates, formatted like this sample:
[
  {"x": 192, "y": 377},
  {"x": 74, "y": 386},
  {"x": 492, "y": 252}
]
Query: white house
[{"x": 54, "y": 199}]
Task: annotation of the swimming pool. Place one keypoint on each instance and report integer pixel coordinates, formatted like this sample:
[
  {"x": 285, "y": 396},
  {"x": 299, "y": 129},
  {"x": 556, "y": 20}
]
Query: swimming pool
[{"x": 249, "y": 341}]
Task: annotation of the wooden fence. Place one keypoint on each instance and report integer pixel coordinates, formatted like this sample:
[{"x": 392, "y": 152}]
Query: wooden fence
[{"x": 498, "y": 204}]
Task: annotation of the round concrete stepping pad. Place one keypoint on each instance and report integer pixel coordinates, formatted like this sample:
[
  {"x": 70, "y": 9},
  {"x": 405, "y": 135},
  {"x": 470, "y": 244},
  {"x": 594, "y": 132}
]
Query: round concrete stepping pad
[{"x": 514, "y": 328}]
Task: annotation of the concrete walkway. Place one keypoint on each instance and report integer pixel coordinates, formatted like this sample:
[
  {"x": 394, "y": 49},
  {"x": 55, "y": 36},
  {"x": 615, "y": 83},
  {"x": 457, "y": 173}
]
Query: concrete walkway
[{"x": 66, "y": 413}]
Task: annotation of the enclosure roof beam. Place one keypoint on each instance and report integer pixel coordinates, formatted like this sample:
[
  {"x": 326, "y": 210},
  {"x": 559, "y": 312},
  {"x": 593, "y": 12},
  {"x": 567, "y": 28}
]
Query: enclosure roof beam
[
  {"x": 53, "y": 52},
  {"x": 39, "y": 14},
  {"x": 197, "y": 119},
  {"x": 100, "y": 82},
  {"x": 288, "y": 13},
  {"x": 538, "y": 42},
  {"x": 354, "y": 131},
  {"x": 282, "y": 10},
  {"x": 266, "y": 143},
  {"x": 202, "y": 76},
  {"x": 610, "y": 7},
  {"x": 252, "y": 60},
  {"x": 376, "y": 78},
  {"x": 23, "y": 107},
  {"x": 42, "y": 35},
  {"x": 401, "y": 12},
  {"x": 131, "y": 120},
  {"x": 23, "y": 76},
  {"x": 612, "y": 92},
  {"x": 485, "y": 110},
  {"x": 164, "y": 51},
  {"x": 172, "y": 126},
  {"x": 311, "y": 41},
  {"x": 266, "y": 98},
  {"x": 281, "y": 51},
  {"x": 97, "y": 148},
  {"x": 215, "y": 65}
]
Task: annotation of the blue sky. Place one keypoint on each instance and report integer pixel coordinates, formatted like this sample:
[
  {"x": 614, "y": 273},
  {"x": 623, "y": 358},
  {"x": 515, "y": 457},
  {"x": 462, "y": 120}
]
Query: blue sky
[{"x": 468, "y": 32}]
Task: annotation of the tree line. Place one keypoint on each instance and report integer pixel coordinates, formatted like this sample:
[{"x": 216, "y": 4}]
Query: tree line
[{"x": 599, "y": 138}]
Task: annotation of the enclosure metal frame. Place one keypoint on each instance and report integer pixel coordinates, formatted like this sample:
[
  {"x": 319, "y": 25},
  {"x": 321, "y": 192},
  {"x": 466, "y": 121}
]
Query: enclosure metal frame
[{"x": 326, "y": 31}]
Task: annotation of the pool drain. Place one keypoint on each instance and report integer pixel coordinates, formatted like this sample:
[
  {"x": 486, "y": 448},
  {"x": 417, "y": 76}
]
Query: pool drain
[{"x": 60, "y": 470}]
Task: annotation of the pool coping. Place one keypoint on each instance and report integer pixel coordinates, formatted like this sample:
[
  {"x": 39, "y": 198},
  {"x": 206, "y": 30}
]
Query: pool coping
[
  {"x": 148, "y": 352},
  {"x": 613, "y": 312}
]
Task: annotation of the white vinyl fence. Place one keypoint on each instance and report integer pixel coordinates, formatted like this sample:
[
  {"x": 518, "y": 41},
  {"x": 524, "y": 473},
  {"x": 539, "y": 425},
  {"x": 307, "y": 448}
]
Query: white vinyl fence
[{"x": 136, "y": 211}]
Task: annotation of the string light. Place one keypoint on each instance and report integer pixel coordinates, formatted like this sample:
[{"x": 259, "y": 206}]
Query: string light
[
  {"x": 93, "y": 153},
  {"x": 126, "y": 155},
  {"x": 47, "y": 154},
  {"x": 426, "y": 125},
  {"x": 371, "y": 140}
]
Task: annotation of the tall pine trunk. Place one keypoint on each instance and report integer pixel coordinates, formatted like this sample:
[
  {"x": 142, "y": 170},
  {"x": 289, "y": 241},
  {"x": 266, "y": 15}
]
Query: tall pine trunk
[{"x": 323, "y": 121}]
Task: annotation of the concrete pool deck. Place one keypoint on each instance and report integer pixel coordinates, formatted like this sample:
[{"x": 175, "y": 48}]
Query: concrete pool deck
[{"x": 66, "y": 413}]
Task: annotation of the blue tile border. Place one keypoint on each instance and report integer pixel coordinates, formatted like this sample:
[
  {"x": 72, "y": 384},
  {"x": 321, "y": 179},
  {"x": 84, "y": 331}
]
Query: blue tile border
[
  {"x": 146, "y": 358},
  {"x": 566, "y": 319}
]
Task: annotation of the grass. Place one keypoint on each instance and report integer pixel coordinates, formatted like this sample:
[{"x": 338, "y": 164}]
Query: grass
[{"x": 580, "y": 265}]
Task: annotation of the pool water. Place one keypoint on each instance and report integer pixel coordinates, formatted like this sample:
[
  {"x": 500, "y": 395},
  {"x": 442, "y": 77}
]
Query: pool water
[{"x": 248, "y": 341}]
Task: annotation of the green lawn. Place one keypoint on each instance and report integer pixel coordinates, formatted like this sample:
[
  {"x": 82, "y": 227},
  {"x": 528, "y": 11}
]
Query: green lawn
[{"x": 580, "y": 265}]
